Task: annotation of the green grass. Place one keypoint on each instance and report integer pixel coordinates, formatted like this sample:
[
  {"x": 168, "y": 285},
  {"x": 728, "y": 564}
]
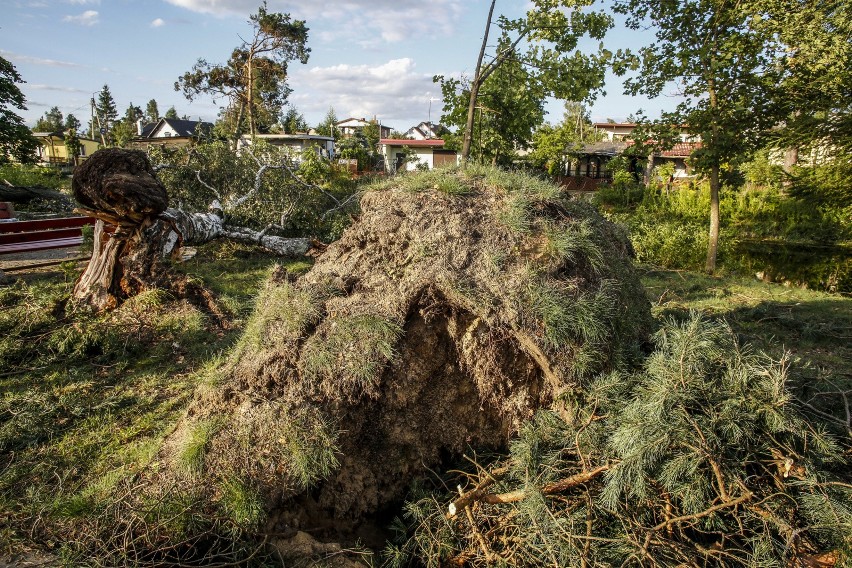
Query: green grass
[
  {"x": 190, "y": 457},
  {"x": 86, "y": 400},
  {"x": 349, "y": 355}
]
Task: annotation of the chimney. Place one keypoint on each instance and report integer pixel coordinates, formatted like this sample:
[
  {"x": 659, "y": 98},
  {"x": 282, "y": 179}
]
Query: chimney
[{"x": 139, "y": 127}]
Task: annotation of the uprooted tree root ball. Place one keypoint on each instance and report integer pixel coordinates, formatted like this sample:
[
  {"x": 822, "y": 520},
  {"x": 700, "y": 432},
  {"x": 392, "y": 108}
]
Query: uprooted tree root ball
[{"x": 459, "y": 304}]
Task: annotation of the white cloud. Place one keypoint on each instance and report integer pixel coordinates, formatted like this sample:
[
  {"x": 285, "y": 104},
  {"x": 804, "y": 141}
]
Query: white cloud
[
  {"x": 387, "y": 20},
  {"x": 38, "y": 87},
  {"x": 158, "y": 22},
  {"x": 18, "y": 58},
  {"x": 84, "y": 2},
  {"x": 393, "y": 91},
  {"x": 87, "y": 18}
]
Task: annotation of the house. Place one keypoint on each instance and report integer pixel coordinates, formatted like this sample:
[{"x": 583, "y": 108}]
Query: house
[
  {"x": 589, "y": 166},
  {"x": 298, "y": 143},
  {"x": 411, "y": 154},
  {"x": 615, "y": 131},
  {"x": 425, "y": 131},
  {"x": 53, "y": 150},
  {"x": 350, "y": 126},
  {"x": 170, "y": 132}
]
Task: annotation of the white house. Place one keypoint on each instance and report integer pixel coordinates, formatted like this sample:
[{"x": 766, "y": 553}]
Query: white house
[
  {"x": 425, "y": 131},
  {"x": 408, "y": 154},
  {"x": 170, "y": 132},
  {"x": 350, "y": 126},
  {"x": 298, "y": 143},
  {"x": 620, "y": 131}
]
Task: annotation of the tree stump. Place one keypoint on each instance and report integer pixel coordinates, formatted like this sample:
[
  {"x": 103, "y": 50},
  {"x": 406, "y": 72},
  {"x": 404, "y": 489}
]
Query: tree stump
[{"x": 120, "y": 187}]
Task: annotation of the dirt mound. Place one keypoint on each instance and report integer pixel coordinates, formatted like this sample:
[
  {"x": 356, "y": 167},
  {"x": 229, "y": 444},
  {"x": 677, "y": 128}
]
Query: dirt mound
[{"x": 459, "y": 303}]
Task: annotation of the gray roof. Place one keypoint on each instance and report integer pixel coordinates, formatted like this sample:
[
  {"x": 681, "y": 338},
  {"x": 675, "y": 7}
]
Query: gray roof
[{"x": 185, "y": 128}]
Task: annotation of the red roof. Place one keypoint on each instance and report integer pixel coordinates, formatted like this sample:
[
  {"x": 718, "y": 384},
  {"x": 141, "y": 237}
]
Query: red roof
[
  {"x": 436, "y": 143},
  {"x": 681, "y": 150}
]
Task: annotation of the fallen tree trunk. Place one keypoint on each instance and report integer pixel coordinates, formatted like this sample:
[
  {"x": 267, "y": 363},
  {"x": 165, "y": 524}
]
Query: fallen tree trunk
[
  {"x": 25, "y": 194},
  {"x": 190, "y": 229}
]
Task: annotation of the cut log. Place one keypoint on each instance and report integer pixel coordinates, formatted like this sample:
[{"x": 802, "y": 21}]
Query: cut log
[{"x": 25, "y": 194}]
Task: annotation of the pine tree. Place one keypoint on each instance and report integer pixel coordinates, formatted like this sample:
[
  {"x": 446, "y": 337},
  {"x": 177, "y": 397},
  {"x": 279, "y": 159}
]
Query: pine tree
[
  {"x": 701, "y": 457},
  {"x": 328, "y": 125},
  {"x": 107, "y": 112},
  {"x": 51, "y": 121},
  {"x": 72, "y": 123},
  {"x": 152, "y": 112}
]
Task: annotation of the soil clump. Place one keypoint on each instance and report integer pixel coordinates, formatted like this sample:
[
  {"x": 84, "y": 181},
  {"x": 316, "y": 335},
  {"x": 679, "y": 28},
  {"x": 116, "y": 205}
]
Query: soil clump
[{"x": 459, "y": 303}]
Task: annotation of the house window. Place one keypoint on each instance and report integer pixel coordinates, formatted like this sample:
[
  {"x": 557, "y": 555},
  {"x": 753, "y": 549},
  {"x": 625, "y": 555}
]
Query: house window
[
  {"x": 167, "y": 134},
  {"x": 82, "y": 149}
]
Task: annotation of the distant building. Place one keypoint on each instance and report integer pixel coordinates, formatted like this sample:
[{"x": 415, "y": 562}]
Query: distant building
[
  {"x": 425, "y": 131},
  {"x": 324, "y": 145},
  {"x": 350, "y": 126},
  {"x": 53, "y": 150},
  {"x": 589, "y": 166},
  {"x": 170, "y": 132},
  {"x": 402, "y": 155}
]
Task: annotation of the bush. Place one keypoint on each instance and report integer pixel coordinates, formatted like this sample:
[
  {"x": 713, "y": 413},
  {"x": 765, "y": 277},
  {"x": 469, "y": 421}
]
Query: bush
[{"x": 29, "y": 175}]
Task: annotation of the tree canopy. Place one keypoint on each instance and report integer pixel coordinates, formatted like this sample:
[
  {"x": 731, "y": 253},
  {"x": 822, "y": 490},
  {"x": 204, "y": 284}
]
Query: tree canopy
[
  {"x": 544, "y": 42},
  {"x": 328, "y": 125},
  {"x": 722, "y": 67},
  {"x": 551, "y": 144},
  {"x": 253, "y": 80},
  {"x": 510, "y": 105},
  {"x": 152, "y": 111},
  {"x": 16, "y": 140},
  {"x": 52, "y": 121}
]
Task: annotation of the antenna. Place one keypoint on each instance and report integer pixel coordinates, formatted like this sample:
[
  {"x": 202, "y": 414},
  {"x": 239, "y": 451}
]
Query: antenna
[{"x": 430, "y": 108}]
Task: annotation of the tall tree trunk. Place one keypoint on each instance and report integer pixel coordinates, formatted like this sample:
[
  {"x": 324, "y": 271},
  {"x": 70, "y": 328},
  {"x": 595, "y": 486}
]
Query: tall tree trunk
[
  {"x": 250, "y": 90},
  {"x": 649, "y": 170},
  {"x": 713, "y": 244},
  {"x": 791, "y": 158},
  {"x": 474, "y": 90}
]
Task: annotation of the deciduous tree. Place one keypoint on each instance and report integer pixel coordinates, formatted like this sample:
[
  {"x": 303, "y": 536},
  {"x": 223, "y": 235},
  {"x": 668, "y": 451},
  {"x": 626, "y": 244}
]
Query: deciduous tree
[
  {"x": 722, "y": 68},
  {"x": 544, "y": 41},
  {"x": 551, "y": 144},
  {"x": 510, "y": 105},
  {"x": 16, "y": 140}
]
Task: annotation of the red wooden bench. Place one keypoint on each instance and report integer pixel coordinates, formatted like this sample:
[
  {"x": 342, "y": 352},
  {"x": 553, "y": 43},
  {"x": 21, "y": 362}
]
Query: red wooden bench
[{"x": 43, "y": 234}]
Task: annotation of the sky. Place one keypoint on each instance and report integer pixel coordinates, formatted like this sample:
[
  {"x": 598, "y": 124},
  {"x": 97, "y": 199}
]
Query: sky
[{"x": 369, "y": 58}]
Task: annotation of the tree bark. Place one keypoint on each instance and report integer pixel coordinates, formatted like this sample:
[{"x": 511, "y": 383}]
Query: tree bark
[
  {"x": 474, "y": 89},
  {"x": 713, "y": 244},
  {"x": 189, "y": 229},
  {"x": 99, "y": 286}
]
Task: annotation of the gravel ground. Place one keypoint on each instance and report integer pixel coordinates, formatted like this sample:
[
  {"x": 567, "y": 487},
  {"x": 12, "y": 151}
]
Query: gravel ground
[{"x": 15, "y": 262}]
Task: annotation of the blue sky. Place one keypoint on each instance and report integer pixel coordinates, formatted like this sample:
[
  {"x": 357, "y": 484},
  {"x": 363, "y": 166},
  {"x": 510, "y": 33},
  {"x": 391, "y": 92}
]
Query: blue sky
[{"x": 368, "y": 57}]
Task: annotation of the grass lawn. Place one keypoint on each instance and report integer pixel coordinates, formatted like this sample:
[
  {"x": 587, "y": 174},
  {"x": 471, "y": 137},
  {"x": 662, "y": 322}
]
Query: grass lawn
[{"x": 85, "y": 400}]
